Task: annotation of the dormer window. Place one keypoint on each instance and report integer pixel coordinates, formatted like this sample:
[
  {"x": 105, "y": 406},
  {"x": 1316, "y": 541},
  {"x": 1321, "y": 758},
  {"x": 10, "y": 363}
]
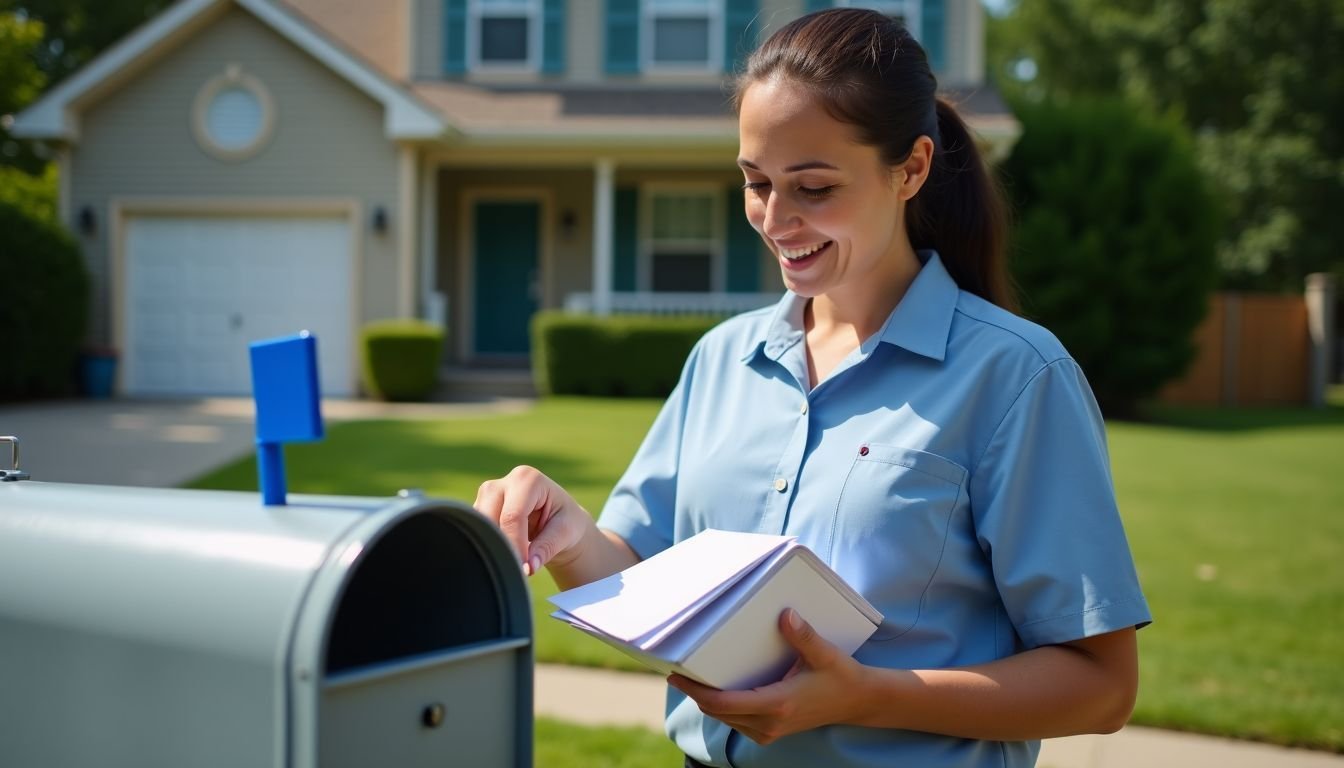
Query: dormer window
[
  {"x": 504, "y": 35},
  {"x": 682, "y": 35}
]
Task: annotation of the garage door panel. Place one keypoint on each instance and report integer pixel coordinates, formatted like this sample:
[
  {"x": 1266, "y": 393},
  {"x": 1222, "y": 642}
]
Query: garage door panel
[{"x": 200, "y": 289}]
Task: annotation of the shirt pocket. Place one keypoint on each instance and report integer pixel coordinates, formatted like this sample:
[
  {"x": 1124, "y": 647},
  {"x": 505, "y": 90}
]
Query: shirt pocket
[{"x": 891, "y": 528}]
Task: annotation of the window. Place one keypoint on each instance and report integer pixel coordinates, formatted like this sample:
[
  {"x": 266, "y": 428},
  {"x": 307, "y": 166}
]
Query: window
[
  {"x": 504, "y": 34},
  {"x": 682, "y": 35},
  {"x": 684, "y": 239},
  {"x": 907, "y": 11},
  {"x": 233, "y": 115}
]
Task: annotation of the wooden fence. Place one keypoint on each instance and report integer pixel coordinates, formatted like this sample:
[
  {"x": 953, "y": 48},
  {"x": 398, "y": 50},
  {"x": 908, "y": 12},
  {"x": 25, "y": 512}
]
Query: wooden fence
[{"x": 1253, "y": 349}]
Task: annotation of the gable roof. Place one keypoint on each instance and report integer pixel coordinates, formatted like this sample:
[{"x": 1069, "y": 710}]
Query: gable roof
[{"x": 56, "y": 114}]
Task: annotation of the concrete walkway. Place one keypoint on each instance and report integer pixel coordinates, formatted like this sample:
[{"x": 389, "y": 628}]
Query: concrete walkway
[{"x": 166, "y": 443}]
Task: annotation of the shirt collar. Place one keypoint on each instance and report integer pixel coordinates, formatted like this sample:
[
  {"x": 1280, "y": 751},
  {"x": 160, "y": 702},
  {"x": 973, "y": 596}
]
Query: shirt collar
[{"x": 920, "y": 323}]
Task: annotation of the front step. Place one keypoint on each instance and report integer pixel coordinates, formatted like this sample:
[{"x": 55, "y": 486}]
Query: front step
[{"x": 457, "y": 384}]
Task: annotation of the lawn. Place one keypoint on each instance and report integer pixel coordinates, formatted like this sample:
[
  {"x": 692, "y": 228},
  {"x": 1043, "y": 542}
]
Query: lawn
[{"x": 1236, "y": 519}]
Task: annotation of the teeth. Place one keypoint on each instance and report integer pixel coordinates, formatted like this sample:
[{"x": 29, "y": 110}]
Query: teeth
[{"x": 793, "y": 254}]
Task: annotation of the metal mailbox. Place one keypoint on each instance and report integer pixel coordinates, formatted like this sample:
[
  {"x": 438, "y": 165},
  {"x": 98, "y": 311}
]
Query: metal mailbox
[{"x": 145, "y": 627}]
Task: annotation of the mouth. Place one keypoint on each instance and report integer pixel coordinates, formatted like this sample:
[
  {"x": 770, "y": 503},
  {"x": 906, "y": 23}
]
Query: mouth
[{"x": 800, "y": 258}]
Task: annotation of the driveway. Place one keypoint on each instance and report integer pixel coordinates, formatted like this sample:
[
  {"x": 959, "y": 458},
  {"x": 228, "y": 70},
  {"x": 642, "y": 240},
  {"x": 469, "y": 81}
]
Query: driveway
[{"x": 165, "y": 443}]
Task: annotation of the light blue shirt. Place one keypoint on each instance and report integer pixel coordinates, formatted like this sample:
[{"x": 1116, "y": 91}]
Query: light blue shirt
[{"x": 953, "y": 469}]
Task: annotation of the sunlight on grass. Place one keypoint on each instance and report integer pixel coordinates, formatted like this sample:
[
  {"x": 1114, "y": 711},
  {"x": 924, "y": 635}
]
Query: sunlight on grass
[
  {"x": 1236, "y": 520},
  {"x": 563, "y": 745}
]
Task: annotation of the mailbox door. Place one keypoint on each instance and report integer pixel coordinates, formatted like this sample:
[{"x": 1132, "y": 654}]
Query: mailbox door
[{"x": 414, "y": 647}]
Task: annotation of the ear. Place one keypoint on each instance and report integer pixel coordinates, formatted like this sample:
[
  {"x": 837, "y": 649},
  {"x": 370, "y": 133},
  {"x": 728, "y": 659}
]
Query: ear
[{"x": 915, "y": 170}]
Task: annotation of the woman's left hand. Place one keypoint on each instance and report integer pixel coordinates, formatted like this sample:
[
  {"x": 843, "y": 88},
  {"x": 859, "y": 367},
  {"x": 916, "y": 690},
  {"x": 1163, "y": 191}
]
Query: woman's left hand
[{"x": 823, "y": 687}]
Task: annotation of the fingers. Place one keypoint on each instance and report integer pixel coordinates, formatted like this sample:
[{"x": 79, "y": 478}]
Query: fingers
[
  {"x": 513, "y": 503},
  {"x": 813, "y": 649}
]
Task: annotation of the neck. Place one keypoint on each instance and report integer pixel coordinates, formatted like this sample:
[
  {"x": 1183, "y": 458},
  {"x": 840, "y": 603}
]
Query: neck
[{"x": 861, "y": 309}]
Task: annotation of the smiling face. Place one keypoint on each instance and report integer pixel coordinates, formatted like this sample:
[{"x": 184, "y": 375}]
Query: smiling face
[{"x": 827, "y": 206}]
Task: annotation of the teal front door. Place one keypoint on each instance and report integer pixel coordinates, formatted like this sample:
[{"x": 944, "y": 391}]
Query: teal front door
[{"x": 507, "y": 245}]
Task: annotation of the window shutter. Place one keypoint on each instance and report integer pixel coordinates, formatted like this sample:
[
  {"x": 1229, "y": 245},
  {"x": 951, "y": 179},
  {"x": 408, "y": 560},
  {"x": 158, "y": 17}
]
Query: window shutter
[
  {"x": 932, "y": 34},
  {"x": 739, "y": 37},
  {"x": 625, "y": 239},
  {"x": 744, "y": 248},
  {"x": 622, "y": 38},
  {"x": 818, "y": 5},
  {"x": 553, "y": 37},
  {"x": 454, "y": 37}
]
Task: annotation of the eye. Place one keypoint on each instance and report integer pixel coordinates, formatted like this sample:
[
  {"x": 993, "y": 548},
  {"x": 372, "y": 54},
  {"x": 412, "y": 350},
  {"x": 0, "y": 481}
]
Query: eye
[
  {"x": 755, "y": 186},
  {"x": 816, "y": 193}
]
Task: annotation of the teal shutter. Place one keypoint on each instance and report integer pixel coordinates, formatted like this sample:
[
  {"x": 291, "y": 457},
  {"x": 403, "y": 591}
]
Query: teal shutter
[
  {"x": 744, "y": 248},
  {"x": 625, "y": 239},
  {"x": 454, "y": 37},
  {"x": 932, "y": 34},
  {"x": 622, "y": 39},
  {"x": 553, "y": 37},
  {"x": 818, "y": 5},
  {"x": 739, "y": 37}
]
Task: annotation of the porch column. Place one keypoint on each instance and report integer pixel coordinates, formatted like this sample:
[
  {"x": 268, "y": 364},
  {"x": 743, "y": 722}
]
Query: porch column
[{"x": 604, "y": 174}]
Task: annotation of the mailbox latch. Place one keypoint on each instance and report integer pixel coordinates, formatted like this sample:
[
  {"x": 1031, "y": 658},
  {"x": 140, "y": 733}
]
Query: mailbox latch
[{"x": 13, "y": 473}]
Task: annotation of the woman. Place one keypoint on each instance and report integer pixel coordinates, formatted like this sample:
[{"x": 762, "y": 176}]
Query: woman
[{"x": 942, "y": 454}]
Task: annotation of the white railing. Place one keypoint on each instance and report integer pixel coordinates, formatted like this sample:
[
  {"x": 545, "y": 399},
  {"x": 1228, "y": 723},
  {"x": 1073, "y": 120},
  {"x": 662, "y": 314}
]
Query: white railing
[{"x": 648, "y": 302}]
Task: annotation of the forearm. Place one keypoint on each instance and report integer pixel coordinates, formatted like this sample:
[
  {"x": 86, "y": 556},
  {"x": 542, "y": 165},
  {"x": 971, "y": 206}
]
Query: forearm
[
  {"x": 598, "y": 555},
  {"x": 1059, "y": 690}
]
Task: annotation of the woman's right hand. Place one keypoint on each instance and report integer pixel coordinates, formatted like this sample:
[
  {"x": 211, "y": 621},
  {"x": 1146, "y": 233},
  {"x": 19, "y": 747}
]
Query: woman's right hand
[{"x": 542, "y": 521}]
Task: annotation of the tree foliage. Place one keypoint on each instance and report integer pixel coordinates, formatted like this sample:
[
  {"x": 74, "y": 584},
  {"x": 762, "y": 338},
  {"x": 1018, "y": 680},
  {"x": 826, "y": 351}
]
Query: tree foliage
[
  {"x": 42, "y": 42},
  {"x": 1258, "y": 82},
  {"x": 1114, "y": 248},
  {"x": 21, "y": 81},
  {"x": 44, "y": 297}
]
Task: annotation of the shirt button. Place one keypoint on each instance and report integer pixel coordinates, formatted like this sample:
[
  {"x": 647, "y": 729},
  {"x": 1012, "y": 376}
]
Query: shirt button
[
  {"x": 804, "y": 408},
  {"x": 781, "y": 484}
]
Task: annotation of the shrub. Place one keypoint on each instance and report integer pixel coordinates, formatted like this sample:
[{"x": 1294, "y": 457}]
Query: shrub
[
  {"x": 401, "y": 358},
  {"x": 44, "y": 305},
  {"x": 622, "y": 355},
  {"x": 1114, "y": 247}
]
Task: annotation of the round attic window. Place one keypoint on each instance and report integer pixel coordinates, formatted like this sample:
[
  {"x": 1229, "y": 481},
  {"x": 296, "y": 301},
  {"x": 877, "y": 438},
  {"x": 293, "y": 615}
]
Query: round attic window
[{"x": 233, "y": 116}]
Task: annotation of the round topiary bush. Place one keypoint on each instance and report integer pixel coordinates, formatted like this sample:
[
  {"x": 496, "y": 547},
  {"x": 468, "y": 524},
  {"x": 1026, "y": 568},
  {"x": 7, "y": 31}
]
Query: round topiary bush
[
  {"x": 401, "y": 358},
  {"x": 44, "y": 305},
  {"x": 1114, "y": 245}
]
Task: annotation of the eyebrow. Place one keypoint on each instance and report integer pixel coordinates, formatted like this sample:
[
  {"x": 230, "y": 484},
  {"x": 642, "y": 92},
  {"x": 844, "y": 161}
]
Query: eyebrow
[{"x": 808, "y": 166}]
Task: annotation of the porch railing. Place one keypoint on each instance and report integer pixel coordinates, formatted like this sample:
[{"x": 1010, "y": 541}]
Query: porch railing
[{"x": 649, "y": 302}]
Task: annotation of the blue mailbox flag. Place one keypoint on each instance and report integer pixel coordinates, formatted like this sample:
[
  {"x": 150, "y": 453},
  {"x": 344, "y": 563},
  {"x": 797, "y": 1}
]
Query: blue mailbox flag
[{"x": 289, "y": 405}]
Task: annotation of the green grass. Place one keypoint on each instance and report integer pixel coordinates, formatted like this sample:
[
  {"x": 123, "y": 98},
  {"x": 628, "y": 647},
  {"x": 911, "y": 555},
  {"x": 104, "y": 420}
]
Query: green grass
[
  {"x": 1236, "y": 520},
  {"x": 562, "y": 745}
]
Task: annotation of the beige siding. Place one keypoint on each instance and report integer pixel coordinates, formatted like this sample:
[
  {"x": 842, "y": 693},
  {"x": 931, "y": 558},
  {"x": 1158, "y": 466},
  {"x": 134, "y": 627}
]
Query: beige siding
[
  {"x": 964, "y": 22},
  {"x": 427, "y": 37},
  {"x": 376, "y": 32},
  {"x": 777, "y": 13},
  {"x": 328, "y": 143},
  {"x": 584, "y": 41}
]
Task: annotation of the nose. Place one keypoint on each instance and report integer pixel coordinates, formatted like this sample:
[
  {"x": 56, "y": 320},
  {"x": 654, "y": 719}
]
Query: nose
[{"x": 781, "y": 218}]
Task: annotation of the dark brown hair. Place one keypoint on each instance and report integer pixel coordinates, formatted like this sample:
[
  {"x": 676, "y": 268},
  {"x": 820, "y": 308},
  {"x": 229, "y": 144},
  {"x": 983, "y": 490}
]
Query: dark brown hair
[{"x": 869, "y": 72}]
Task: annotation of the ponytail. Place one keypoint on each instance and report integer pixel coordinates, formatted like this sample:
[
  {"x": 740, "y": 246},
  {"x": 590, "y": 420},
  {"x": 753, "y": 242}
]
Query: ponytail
[{"x": 960, "y": 212}]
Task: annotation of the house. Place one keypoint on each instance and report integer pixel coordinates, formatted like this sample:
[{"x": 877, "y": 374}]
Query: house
[{"x": 239, "y": 169}]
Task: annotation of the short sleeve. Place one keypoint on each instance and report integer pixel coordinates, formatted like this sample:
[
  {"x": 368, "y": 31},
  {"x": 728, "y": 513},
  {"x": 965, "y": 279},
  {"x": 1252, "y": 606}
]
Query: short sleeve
[
  {"x": 1045, "y": 513},
  {"x": 642, "y": 506}
]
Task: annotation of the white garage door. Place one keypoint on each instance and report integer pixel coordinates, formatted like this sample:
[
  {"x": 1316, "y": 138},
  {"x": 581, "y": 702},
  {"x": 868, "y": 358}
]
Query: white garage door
[{"x": 200, "y": 289}]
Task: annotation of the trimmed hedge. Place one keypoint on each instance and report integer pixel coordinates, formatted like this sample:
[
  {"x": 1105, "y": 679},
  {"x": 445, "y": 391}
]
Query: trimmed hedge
[
  {"x": 44, "y": 305},
  {"x": 617, "y": 356},
  {"x": 401, "y": 358}
]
